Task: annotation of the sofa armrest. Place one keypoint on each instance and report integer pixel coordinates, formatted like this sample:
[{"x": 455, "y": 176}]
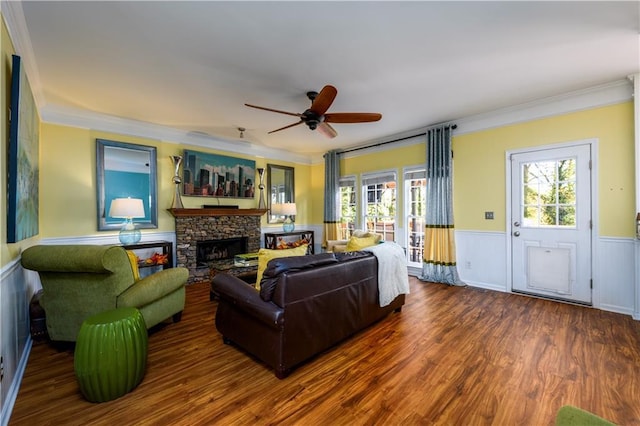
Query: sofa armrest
[
  {"x": 154, "y": 287},
  {"x": 246, "y": 298}
]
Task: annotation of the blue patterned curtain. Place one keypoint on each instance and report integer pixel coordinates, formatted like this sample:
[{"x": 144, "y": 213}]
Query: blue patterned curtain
[
  {"x": 331, "y": 196},
  {"x": 439, "y": 259}
]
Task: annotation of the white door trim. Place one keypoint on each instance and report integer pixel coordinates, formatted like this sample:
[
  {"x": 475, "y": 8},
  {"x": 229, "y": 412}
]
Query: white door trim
[{"x": 595, "y": 300}]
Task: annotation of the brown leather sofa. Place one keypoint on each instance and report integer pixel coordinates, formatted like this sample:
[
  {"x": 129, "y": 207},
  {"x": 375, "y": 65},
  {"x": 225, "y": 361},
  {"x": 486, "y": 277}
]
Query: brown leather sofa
[{"x": 306, "y": 304}]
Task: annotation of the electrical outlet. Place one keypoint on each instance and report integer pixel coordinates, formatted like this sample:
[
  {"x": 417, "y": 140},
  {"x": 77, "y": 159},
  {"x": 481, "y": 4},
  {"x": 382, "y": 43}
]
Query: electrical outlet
[
  {"x": 488, "y": 215},
  {"x": 467, "y": 264}
]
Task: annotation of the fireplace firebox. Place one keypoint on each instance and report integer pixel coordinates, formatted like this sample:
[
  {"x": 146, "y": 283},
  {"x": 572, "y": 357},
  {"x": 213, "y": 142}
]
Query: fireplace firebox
[{"x": 220, "y": 249}]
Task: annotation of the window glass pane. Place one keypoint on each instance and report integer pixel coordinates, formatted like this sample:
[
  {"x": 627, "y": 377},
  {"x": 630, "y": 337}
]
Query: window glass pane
[
  {"x": 530, "y": 216},
  {"x": 347, "y": 208},
  {"x": 548, "y": 216},
  {"x": 567, "y": 193},
  {"x": 416, "y": 206},
  {"x": 567, "y": 216}
]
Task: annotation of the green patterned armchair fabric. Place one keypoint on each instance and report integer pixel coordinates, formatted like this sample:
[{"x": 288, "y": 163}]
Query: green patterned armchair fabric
[{"x": 82, "y": 280}]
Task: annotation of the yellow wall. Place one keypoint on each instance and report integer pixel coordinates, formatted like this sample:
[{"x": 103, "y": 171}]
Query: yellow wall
[
  {"x": 68, "y": 203},
  {"x": 479, "y": 161},
  {"x": 8, "y": 252}
]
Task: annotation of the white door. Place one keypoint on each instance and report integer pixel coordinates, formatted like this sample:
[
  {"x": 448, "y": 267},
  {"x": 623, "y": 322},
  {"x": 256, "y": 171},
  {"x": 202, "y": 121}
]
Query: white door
[{"x": 551, "y": 223}]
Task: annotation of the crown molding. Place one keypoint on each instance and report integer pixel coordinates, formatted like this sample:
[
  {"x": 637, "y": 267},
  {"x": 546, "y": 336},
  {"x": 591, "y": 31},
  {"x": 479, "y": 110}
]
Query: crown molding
[
  {"x": 593, "y": 97},
  {"x": 107, "y": 123},
  {"x": 17, "y": 27}
]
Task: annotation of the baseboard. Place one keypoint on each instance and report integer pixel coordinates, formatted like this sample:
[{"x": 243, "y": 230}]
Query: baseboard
[
  {"x": 12, "y": 395},
  {"x": 486, "y": 286}
]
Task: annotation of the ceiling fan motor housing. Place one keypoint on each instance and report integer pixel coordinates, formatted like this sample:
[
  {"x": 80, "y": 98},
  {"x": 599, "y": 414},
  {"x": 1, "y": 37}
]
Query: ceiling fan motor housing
[{"x": 311, "y": 119}]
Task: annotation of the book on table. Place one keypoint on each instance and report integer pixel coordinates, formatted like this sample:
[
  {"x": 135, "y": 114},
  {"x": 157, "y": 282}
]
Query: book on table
[{"x": 246, "y": 259}]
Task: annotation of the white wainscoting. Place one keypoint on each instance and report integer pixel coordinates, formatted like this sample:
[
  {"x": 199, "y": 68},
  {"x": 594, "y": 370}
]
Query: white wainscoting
[
  {"x": 15, "y": 340},
  {"x": 482, "y": 258},
  {"x": 614, "y": 276}
]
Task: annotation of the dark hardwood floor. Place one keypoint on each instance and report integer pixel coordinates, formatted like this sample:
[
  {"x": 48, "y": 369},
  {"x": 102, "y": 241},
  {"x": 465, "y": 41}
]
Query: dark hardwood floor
[{"x": 453, "y": 356}]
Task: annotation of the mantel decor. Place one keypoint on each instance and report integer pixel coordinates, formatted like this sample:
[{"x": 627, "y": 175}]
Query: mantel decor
[
  {"x": 217, "y": 212},
  {"x": 212, "y": 175},
  {"x": 177, "y": 201},
  {"x": 262, "y": 204}
]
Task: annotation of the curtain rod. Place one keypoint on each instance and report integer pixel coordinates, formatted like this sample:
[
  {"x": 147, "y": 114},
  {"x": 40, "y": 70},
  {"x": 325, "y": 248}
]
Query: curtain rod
[{"x": 452, "y": 127}]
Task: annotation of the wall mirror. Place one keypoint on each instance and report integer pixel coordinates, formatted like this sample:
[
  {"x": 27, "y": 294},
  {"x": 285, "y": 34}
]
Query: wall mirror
[
  {"x": 126, "y": 170},
  {"x": 280, "y": 181}
]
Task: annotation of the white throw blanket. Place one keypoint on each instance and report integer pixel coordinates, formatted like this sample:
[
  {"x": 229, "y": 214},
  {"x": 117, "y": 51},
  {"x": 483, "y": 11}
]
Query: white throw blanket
[{"x": 393, "y": 277}]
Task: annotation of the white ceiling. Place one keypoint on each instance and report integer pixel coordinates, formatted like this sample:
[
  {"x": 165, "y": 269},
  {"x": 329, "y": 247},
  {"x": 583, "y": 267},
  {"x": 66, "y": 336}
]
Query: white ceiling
[{"x": 192, "y": 65}]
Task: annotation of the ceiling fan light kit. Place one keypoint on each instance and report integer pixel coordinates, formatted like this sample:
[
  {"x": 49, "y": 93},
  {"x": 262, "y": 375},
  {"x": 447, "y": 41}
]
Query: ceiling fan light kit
[{"x": 316, "y": 117}]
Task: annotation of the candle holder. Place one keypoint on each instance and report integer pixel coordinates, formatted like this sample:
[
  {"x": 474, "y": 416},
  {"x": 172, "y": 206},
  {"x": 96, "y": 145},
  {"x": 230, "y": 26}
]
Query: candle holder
[
  {"x": 262, "y": 204},
  {"x": 177, "y": 200}
]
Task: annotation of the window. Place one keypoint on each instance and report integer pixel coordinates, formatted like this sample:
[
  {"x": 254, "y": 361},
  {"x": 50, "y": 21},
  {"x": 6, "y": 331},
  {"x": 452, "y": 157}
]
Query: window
[
  {"x": 415, "y": 184},
  {"x": 379, "y": 200},
  {"x": 348, "y": 207},
  {"x": 549, "y": 189}
]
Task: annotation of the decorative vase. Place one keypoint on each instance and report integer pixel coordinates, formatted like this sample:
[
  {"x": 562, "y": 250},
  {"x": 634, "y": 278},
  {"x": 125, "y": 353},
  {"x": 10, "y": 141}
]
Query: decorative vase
[
  {"x": 262, "y": 204},
  {"x": 177, "y": 200}
]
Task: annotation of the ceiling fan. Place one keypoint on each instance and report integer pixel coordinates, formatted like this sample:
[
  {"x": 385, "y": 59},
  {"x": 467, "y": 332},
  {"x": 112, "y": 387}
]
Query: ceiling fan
[{"x": 316, "y": 117}]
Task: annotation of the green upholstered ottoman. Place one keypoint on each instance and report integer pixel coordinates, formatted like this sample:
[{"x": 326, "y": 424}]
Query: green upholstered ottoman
[{"x": 111, "y": 354}]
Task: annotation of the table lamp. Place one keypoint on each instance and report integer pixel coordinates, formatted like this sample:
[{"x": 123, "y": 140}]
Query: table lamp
[
  {"x": 288, "y": 210},
  {"x": 128, "y": 208}
]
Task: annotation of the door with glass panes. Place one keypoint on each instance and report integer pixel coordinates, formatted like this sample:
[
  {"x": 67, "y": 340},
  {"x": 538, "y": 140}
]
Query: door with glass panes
[{"x": 551, "y": 223}]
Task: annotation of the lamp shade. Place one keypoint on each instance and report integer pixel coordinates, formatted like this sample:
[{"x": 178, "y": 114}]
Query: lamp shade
[
  {"x": 288, "y": 209},
  {"x": 126, "y": 208}
]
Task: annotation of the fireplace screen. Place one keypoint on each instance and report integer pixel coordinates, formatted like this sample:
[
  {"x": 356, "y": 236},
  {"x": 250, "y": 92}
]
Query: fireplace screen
[{"x": 219, "y": 250}]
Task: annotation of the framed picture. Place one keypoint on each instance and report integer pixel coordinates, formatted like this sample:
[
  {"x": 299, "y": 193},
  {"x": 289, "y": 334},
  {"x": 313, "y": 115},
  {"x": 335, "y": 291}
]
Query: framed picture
[
  {"x": 212, "y": 175},
  {"x": 22, "y": 184}
]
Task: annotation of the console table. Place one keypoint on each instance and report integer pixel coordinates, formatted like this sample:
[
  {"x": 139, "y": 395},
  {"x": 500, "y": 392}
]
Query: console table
[
  {"x": 280, "y": 240},
  {"x": 165, "y": 246}
]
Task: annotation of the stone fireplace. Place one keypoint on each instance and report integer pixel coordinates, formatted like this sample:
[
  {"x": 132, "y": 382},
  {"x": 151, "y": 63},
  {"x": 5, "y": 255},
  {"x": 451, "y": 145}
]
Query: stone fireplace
[{"x": 195, "y": 226}]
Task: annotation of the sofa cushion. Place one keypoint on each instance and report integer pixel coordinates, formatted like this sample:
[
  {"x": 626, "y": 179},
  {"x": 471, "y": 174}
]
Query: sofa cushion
[
  {"x": 133, "y": 259},
  {"x": 265, "y": 255},
  {"x": 286, "y": 264},
  {"x": 358, "y": 243}
]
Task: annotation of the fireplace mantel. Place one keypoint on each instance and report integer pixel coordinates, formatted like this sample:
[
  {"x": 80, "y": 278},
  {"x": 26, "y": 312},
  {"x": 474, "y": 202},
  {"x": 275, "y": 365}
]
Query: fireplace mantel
[{"x": 216, "y": 212}]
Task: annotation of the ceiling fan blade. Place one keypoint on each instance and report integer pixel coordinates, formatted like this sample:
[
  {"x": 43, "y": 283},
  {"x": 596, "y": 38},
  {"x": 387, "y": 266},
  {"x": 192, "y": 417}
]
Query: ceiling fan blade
[
  {"x": 323, "y": 101},
  {"x": 352, "y": 117},
  {"x": 327, "y": 130},
  {"x": 275, "y": 110},
  {"x": 286, "y": 127}
]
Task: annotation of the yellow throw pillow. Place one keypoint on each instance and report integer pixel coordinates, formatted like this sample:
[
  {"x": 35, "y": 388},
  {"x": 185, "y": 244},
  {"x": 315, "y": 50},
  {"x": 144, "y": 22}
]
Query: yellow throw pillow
[
  {"x": 358, "y": 243},
  {"x": 265, "y": 255},
  {"x": 133, "y": 259}
]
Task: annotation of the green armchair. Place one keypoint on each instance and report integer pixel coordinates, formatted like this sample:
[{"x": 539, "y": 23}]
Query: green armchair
[{"x": 79, "y": 281}]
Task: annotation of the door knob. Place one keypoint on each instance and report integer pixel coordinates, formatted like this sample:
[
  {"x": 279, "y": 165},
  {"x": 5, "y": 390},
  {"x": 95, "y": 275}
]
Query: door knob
[{"x": 516, "y": 234}]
